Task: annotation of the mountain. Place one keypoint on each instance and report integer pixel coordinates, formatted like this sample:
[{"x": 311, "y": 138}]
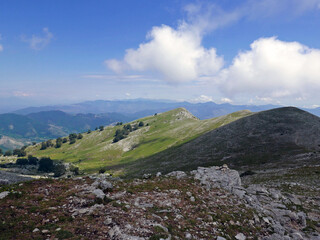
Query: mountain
[
  {"x": 18, "y": 130},
  {"x": 160, "y": 132},
  {"x": 138, "y": 108},
  {"x": 282, "y": 137}
]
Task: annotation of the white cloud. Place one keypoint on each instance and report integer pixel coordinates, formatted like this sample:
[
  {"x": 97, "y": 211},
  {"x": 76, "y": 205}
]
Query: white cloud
[
  {"x": 177, "y": 55},
  {"x": 39, "y": 42},
  {"x": 226, "y": 100},
  {"x": 1, "y": 48},
  {"x": 273, "y": 69},
  {"x": 22, "y": 94},
  {"x": 202, "y": 99}
]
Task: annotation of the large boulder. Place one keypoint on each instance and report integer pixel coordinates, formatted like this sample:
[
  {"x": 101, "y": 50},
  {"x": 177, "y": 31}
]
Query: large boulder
[{"x": 218, "y": 177}]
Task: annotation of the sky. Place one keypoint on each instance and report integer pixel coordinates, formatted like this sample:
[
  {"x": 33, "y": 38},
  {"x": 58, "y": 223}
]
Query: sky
[{"x": 226, "y": 51}]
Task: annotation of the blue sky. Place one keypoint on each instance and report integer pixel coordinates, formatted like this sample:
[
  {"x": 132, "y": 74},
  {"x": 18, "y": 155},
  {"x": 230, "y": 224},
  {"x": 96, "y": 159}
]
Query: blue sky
[{"x": 242, "y": 52}]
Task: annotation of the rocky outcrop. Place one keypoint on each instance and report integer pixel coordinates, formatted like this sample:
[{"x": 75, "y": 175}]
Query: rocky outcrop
[{"x": 218, "y": 177}]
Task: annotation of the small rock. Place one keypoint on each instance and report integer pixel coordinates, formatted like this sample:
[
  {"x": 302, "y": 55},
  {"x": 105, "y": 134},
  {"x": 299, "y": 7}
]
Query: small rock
[
  {"x": 45, "y": 231},
  {"x": 158, "y": 174},
  {"x": 240, "y": 236},
  {"x": 192, "y": 199},
  {"x": 146, "y": 176},
  {"x": 4, "y": 194},
  {"x": 188, "y": 236},
  {"x": 36, "y": 230},
  {"x": 99, "y": 193},
  {"x": 177, "y": 174},
  {"x": 221, "y": 238},
  {"x": 58, "y": 229}
]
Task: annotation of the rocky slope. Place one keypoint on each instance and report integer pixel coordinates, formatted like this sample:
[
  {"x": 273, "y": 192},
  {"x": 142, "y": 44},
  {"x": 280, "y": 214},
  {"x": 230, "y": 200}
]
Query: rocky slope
[{"x": 207, "y": 203}]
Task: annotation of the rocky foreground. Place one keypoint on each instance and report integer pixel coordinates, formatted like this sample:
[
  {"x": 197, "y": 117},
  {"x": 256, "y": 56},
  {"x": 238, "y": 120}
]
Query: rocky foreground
[{"x": 207, "y": 203}]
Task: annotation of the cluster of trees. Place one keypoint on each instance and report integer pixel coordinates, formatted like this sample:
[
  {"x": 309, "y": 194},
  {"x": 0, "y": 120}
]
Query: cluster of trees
[
  {"x": 16, "y": 152},
  {"x": 59, "y": 141},
  {"x": 124, "y": 132},
  {"x": 31, "y": 160},
  {"x": 101, "y": 128}
]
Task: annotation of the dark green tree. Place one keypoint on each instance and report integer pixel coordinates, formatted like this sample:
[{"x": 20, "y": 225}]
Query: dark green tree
[
  {"x": 22, "y": 161},
  {"x": 101, "y": 128},
  {"x": 43, "y": 146},
  {"x": 8, "y": 153},
  {"x": 1, "y": 151},
  {"x": 141, "y": 124},
  {"x": 79, "y": 136},
  {"x": 32, "y": 160},
  {"x": 45, "y": 164},
  {"x": 64, "y": 140},
  {"x": 89, "y": 131}
]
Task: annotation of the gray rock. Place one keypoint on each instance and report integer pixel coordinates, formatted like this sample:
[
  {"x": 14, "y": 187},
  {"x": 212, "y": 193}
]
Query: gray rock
[
  {"x": 240, "y": 236},
  {"x": 4, "y": 194},
  {"x": 217, "y": 176},
  {"x": 177, "y": 174},
  {"x": 99, "y": 193},
  {"x": 221, "y": 238},
  {"x": 105, "y": 185},
  {"x": 188, "y": 236}
]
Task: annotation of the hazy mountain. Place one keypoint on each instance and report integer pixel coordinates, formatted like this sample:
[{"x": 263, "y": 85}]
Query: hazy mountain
[
  {"x": 17, "y": 130},
  {"x": 138, "y": 108}
]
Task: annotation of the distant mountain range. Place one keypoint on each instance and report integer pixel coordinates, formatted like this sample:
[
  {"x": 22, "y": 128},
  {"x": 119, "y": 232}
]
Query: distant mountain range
[
  {"x": 42, "y": 123},
  {"x": 137, "y": 108},
  {"x": 17, "y": 130}
]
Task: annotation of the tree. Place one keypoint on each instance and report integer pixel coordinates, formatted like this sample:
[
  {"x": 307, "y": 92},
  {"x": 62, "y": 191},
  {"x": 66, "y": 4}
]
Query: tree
[
  {"x": 58, "y": 142},
  {"x": 19, "y": 152},
  {"x": 72, "y": 136},
  {"x": 34, "y": 143},
  {"x": 49, "y": 143},
  {"x": 45, "y": 164},
  {"x": 64, "y": 140},
  {"x": 89, "y": 131},
  {"x": 141, "y": 124},
  {"x": 1, "y": 152},
  {"x": 79, "y": 136},
  {"x": 59, "y": 170},
  {"x": 119, "y": 123},
  {"x": 32, "y": 160},
  {"x": 101, "y": 128},
  {"x": 22, "y": 161},
  {"x": 8, "y": 153},
  {"x": 72, "y": 140},
  {"x": 43, "y": 146}
]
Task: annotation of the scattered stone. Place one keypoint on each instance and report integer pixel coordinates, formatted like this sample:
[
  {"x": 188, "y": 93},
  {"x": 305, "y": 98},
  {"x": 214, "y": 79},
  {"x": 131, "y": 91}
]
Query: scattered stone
[
  {"x": 188, "y": 236},
  {"x": 45, "y": 231},
  {"x": 240, "y": 236},
  {"x": 36, "y": 230},
  {"x": 4, "y": 194},
  {"x": 99, "y": 193},
  {"x": 177, "y": 174}
]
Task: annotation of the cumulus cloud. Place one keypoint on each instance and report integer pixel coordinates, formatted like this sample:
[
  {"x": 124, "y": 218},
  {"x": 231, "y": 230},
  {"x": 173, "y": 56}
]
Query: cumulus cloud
[
  {"x": 1, "y": 48},
  {"x": 176, "y": 54},
  {"x": 273, "y": 69},
  {"x": 226, "y": 100},
  {"x": 39, "y": 42},
  {"x": 202, "y": 99}
]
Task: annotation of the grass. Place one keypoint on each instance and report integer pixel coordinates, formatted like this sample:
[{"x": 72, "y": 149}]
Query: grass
[{"x": 163, "y": 131}]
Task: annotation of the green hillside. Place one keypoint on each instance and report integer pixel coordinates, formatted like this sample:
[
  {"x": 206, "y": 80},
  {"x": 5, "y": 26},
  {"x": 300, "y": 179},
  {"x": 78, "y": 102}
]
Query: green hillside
[
  {"x": 160, "y": 132},
  {"x": 278, "y": 138}
]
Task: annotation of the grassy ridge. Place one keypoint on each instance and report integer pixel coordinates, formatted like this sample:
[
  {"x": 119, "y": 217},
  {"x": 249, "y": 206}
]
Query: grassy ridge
[{"x": 160, "y": 132}]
